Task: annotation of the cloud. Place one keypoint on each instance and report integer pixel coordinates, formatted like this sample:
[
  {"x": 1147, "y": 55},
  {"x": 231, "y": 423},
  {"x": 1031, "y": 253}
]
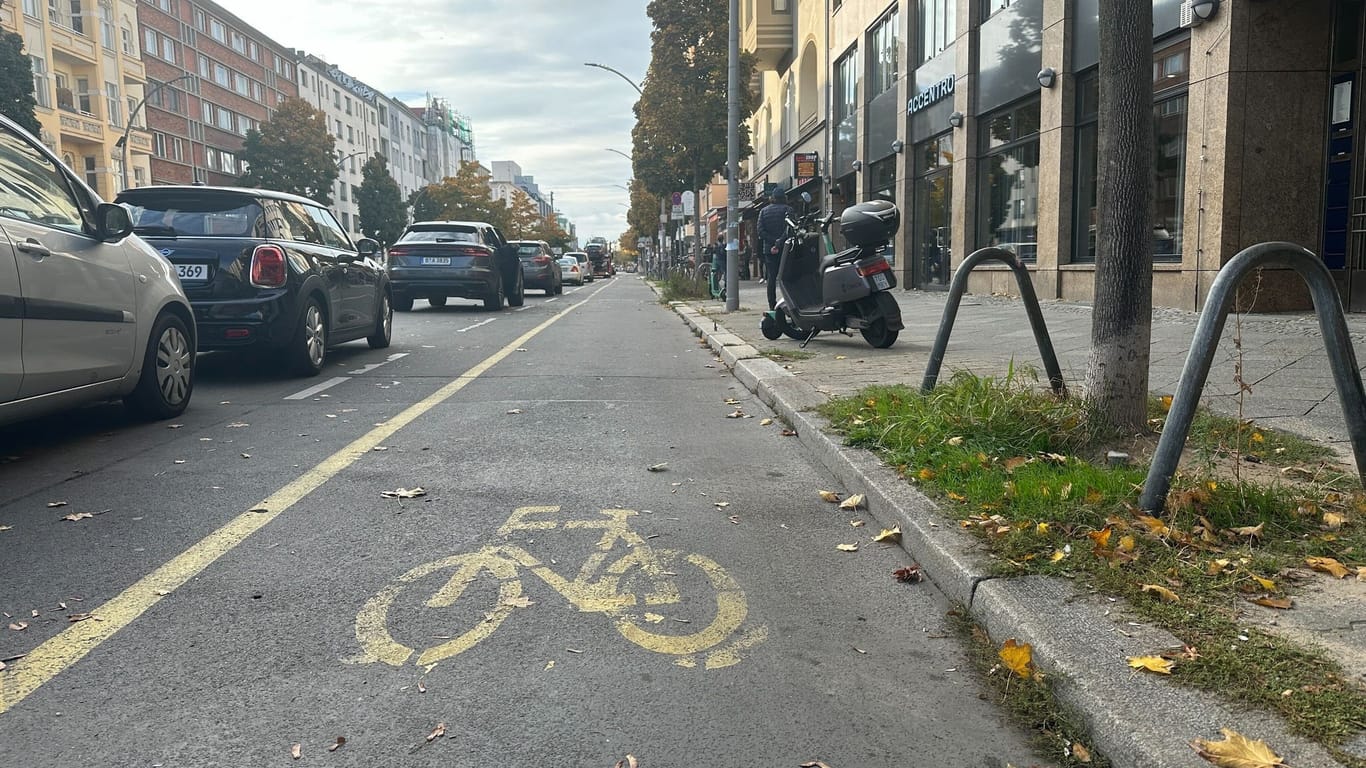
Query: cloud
[{"x": 516, "y": 70}]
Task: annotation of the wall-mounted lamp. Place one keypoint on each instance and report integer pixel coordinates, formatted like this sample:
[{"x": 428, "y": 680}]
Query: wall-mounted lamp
[
  {"x": 956, "y": 119},
  {"x": 897, "y": 146},
  {"x": 1197, "y": 12},
  {"x": 1047, "y": 77},
  {"x": 858, "y": 165}
]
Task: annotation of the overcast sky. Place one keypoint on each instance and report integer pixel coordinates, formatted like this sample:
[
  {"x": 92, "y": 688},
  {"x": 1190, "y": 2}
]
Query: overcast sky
[{"x": 516, "y": 69}]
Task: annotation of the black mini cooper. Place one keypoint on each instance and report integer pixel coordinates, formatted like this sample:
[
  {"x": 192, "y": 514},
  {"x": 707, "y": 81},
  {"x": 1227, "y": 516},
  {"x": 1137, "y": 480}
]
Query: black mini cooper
[{"x": 267, "y": 270}]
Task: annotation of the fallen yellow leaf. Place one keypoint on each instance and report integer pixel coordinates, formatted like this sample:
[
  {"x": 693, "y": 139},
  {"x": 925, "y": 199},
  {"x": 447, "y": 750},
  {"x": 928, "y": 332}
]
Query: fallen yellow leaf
[
  {"x": 847, "y": 547},
  {"x": 1152, "y": 663},
  {"x": 1166, "y": 595},
  {"x": 1282, "y": 603},
  {"x": 1266, "y": 584},
  {"x": 1166, "y": 402},
  {"x": 857, "y": 523},
  {"x": 926, "y": 474},
  {"x": 1101, "y": 538},
  {"x": 892, "y": 534},
  {"x": 1252, "y": 531},
  {"x": 1126, "y": 544},
  {"x": 1018, "y": 658},
  {"x": 1059, "y": 554},
  {"x": 958, "y": 497},
  {"x": 829, "y": 496},
  {"x": 1041, "y": 529},
  {"x": 296, "y": 751},
  {"x": 1333, "y": 521},
  {"x": 1236, "y": 751},
  {"x": 765, "y": 422},
  {"x": 955, "y": 441},
  {"x": 1156, "y": 526},
  {"x": 1328, "y": 565},
  {"x": 1218, "y": 566},
  {"x": 853, "y": 502},
  {"x": 1081, "y": 753},
  {"x": 1015, "y": 463}
]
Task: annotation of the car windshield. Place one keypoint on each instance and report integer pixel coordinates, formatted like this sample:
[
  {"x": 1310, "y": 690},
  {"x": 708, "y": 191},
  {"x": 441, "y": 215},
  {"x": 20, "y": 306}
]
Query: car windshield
[
  {"x": 447, "y": 234},
  {"x": 195, "y": 215},
  {"x": 528, "y": 250}
]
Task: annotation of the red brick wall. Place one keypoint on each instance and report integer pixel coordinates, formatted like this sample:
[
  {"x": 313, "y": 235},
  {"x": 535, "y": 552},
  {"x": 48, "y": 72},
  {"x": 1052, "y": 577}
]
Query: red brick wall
[{"x": 165, "y": 170}]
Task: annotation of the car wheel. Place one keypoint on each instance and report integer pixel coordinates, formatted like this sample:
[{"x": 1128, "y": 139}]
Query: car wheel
[
  {"x": 494, "y": 301},
  {"x": 404, "y": 304},
  {"x": 167, "y": 379},
  {"x": 308, "y": 350},
  {"x": 384, "y": 324},
  {"x": 518, "y": 295},
  {"x": 437, "y": 301}
]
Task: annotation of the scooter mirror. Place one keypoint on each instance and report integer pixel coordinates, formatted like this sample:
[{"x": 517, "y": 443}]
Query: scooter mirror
[{"x": 806, "y": 197}]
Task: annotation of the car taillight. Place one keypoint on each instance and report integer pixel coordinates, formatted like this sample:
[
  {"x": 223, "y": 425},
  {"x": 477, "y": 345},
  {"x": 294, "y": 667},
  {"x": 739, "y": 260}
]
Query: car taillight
[
  {"x": 868, "y": 270},
  {"x": 542, "y": 260},
  {"x": 268, "y": 268}
]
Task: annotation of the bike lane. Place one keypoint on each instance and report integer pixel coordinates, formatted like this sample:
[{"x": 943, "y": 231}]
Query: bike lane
[{"x": 715, "y": 621}]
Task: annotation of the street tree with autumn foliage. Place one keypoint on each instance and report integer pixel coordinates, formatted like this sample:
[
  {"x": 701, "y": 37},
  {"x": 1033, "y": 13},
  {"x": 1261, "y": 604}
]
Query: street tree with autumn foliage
[
  {"x": 292, "y": 152},
  {"x": 466, "y": 196},
  {"x": 680, "y": 132}
]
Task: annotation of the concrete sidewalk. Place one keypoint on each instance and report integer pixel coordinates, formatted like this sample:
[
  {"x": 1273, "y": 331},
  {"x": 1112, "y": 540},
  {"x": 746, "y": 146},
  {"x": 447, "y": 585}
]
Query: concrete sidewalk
[{"x": 1080, "y": 639}]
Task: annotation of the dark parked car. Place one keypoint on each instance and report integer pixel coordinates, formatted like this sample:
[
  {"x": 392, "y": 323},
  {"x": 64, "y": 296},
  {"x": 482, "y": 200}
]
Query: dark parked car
[
  {"x": 267, "y": 270},
  {"x": 539, "y": 266},
  {"x": 433, "y": 260}
]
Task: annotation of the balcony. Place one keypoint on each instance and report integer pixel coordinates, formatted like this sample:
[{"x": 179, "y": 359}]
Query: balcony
[
  {"x": 140, "y": 141},
  {"x": 767, "y": 33},
  {"x": 81, "y": 125},
  {"x": 134, "y": 72},
  {"x": 73, "y": 45}
]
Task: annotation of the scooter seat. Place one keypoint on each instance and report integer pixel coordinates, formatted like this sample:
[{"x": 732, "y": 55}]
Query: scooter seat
[{"x": 832, "y": 259}]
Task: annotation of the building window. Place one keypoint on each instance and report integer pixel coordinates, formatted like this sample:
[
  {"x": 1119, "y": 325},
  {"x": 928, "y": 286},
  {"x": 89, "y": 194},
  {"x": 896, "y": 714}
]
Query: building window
[
  {"x": 159, "y": 144},
  {"x": 107, "y": 27},
  {"x": 167, "y": 6},
  {"x": 1008, "y": 215},
  {"x": 239, "y": 43},
  {"x": 136, "y": 119},
  {"x": 217, "y": 31},
  {"x": 168, "y": 49},
  {"x": 882, "y": 179},
  {"x": 990, "y": 7},
  {"x": 846, "y": 85},
  {"x": 884, "y": 45},
  {"x": 225, "y": 120},
  {"x": 177, "y": 150},
  {"x": 220, "y": 75},
  {"x": 206, "y": 112},
  {"x": 253, "y": 51},
  {"x": 149, "y": 40},
  {"x": 92, "y": 173},
  {"x": 127, "y": 35},
  {"x": 239, "y": 84},
  {"x": 937, "y": 27},
  {"x": 348, "y": 105},
  {"x": 203, "y": 66},
  {"x": 199, "y": 20},
  {"x": 31, "y": 8},
  {"x": 256, "y": 92},
  {"x": 350, "y": 135},
  {"x": 41, "y": 92},
  {"x": 1170, "y": 79},
  {"x": 114, "y": 103}
]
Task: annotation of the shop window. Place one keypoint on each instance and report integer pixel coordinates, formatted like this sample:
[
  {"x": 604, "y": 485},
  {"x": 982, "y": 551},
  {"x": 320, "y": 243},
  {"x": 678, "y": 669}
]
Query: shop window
[
  {"x": 1008, "y": 215},
  {"x": 1170, "y": 78}
]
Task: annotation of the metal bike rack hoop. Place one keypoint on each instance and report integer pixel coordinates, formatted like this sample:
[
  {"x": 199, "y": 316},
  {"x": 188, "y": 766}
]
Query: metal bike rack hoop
[
  {"x": 1031, "y": 303},
  {"x": 1336, "y": 340}
]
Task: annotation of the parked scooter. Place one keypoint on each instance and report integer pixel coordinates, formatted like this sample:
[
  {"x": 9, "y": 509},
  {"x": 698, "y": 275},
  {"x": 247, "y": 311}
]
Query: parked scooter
[{"x": 820, "y": 290}]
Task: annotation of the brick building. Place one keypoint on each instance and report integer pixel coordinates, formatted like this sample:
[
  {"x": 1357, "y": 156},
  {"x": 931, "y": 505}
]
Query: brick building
[{"x": 219, "y": 78}]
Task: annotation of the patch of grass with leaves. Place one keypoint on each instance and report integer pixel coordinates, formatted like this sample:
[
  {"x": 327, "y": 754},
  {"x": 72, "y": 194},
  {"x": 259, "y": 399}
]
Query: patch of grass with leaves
[
  {"x": 681, "y": 287},
  {"x": 1025, "y": 471},
  {"x": 1053, "y": 731},
  {"x": 1213, "y": 435},
  {"x": 787, "y": 355}
]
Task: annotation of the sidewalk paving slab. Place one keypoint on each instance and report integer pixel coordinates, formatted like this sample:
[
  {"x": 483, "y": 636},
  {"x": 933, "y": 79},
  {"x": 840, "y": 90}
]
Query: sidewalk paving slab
[{"x": 1081, "y": 640}]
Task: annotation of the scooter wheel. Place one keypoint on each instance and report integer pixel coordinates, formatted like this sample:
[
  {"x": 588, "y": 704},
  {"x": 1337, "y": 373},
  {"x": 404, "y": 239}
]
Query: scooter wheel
[
  {"x": 789, "y": 330},
  {"x": 879, "y": 335},
  {"x": 770, "y": 328}
]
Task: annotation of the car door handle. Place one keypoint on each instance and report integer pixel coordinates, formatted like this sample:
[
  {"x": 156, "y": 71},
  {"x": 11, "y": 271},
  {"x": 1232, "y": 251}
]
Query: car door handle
[{"x": 34, "y": 248}]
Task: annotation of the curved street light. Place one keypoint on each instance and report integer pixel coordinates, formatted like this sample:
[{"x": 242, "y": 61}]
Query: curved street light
[
  {"x": 619, "y": 152},
  {"x": 122, "y": 143},
  {"x": 618, "y": 74},
  {"x": 343, "y": 160}
]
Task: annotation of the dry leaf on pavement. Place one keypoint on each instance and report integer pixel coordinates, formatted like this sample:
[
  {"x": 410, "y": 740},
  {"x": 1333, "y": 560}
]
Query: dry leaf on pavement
[
  {"x": 296, "y": 751},
  {"x": 54, "y": 504},
  {"x": 1282, "y": 603},
  {"x": 629, "y": 762},
  {"x": 815, "y": 764},
  {"x": 892, "y": 535},
  {"x": 437, "y": 732},
  {"x": 789, "y": 433},
  {"x": 1251, "y": 531},
  {"x": 829, "y": 496},
  {"x": 521, "y": 601},
  {"x": 657, "y": 467},
  {"x": 1080, "y": 753},
  {"x": 340, "y": 741},
  {"x": 1328, "y": 565},
  {"x": 404, "y": 493},
  {"x": 19, "y": 626},
  {"x": 1164, "y": 594},
  {"x": 1018, "y": 657},
  {"x": 421, "y": 687},
  {"x": 6, "y": 527},
  {"x": 857, "y": 523},
  {"x": 911, "y": 574},
  {"x": 514, "y": 411},
  {"x": 765, "y": 422},
  {"x": 1152, "y": 663},
  {"x": 853, "y": 502},
  {"x": 1236, "y": 751},
  {"x": 847, "y": 547},
  {"x": 78, "y": 516}
]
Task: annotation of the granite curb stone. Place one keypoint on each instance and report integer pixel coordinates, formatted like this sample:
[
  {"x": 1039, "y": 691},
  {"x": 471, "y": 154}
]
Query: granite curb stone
[{"x": 1080, "y": 640}]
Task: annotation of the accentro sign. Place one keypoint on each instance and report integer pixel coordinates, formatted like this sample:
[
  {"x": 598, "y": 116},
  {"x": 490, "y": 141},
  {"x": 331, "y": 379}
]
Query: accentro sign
[{"x": 939, "y": 90}]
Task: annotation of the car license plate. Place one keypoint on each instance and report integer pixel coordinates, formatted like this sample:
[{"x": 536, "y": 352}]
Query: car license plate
[
  {"x": 437, "y": 261},
  {"x": 880, "y": 280},
  {"x": 192, "y": 271}
]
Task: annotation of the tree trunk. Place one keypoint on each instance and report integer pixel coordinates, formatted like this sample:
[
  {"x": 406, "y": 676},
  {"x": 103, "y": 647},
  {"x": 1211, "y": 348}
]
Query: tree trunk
[{"x": 1121, "y": 324}]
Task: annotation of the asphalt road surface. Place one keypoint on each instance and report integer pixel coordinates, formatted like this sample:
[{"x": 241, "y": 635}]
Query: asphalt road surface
[{"x": 239, "y": 585}]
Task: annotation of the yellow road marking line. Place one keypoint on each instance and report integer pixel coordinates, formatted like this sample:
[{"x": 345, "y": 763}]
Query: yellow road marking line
[{"x": 69, "y": 646}]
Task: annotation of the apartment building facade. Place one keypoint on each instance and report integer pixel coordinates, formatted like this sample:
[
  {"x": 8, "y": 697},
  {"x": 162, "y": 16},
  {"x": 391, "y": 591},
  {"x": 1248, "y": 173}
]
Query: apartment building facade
[
  {"x": 87, "y": 78},
  {"x": 211, "y": 79},
  {"x": 352, "y": 111},
  {"x": 979, "y": 119},
  {"x": 449, "y": 140},
  {"x": 506, "y": 178}
]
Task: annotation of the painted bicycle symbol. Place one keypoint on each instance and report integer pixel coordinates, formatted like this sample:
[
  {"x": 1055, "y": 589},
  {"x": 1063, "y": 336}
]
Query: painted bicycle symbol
[{"x": 622, "y": 578}]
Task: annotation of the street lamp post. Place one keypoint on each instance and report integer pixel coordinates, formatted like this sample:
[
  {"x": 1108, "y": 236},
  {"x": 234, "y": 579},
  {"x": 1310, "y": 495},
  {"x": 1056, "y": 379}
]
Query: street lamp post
[
  {"x": 343, "y": 160},
  {"x": 618, "y": 74},
  {"x": 122, "y": 143}
]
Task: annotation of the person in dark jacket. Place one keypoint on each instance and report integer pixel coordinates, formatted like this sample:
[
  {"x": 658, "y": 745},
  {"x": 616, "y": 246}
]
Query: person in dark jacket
[{"x": 772, "y": 227}]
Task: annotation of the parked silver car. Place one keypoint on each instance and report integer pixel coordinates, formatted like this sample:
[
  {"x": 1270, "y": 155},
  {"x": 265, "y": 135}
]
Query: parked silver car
[{"x": 88, "y": 311}]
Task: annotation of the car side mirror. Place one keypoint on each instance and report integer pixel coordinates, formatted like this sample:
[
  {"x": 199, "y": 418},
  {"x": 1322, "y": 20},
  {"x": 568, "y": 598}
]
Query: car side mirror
[
  {"x": 367, "y": 247},
  {"x": 112, "y": 222}
]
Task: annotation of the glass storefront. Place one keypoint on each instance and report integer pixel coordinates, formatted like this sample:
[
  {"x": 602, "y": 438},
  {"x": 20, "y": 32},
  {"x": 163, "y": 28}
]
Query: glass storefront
[
  {"x": 1008, "y": 180},
  {"x": 1170, "y": 79},
  {"x": 932, "y": 233}
]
